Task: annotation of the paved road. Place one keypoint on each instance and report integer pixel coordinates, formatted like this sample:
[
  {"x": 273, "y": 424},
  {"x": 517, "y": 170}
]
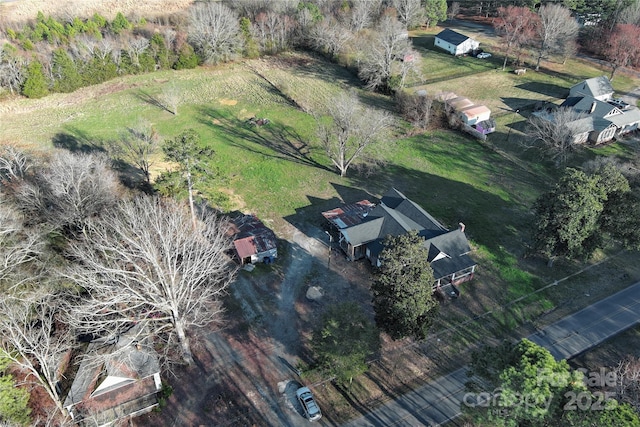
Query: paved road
[{"x": 439, "y": 401}]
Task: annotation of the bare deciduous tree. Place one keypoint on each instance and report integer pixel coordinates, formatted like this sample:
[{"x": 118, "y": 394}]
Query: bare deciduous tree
[
  {"x": 628, "y": 381},
  {"x": 215, "y": 31},
  {"x": 68, "y": 190},
  {"x": 12, "y": 73},
  {"x": 390, "y": 42},
  {"x": 14, "y": 163},
  {"x": 622, "y": 47},
  {"x": 415, "y": 108},
  {"x": 557, "y": 132},
  {"x": 330, "y": 37},
  {"x": 138, "y": 147},
  {"x": 146, "y": 262},
  {"x": 515, "y": 26},
  {"x": 555, "y": 27},
  {"x": 135, "y": 47},
  {"x": 453, "y": 10},
  {"x": 631, "y": 14},
  {"x": 107, "y": 46},
  {"x": 363, "y": 13},
  {"x": 352, "y": 129},
  {"x": 410, "y": 12},
  {"x": 273, "y": 31},
  {"x": 18, "y": 247},
  {"x": 83, "y": 47},
  {"x": 35, "y": 339},
  {"x": 171, "y": 97},
  {"x": 409, "y": 64},
  {"x": 252, "y": 8}
]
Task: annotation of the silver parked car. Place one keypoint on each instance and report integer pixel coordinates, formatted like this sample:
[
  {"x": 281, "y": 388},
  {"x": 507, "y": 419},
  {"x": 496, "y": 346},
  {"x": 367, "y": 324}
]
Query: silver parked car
[{"x": 309, "y": 405}]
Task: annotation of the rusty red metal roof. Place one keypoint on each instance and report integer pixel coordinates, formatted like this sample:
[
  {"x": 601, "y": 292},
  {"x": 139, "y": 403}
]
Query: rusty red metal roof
[
  {"x": 251, "y": 236},
  {"x": 349, "y": 215}
]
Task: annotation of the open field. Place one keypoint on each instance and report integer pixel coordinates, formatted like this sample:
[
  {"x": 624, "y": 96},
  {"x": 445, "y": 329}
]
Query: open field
[
  {"x": 281, "y": 173},
  {"x": 16, "y": 11}
]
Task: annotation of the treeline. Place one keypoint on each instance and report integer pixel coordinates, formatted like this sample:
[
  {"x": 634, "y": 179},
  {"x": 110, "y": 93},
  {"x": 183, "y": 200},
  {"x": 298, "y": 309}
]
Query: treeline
[
  {"x": 605, "y": 10},
  {"x": 52, "y": 54}
]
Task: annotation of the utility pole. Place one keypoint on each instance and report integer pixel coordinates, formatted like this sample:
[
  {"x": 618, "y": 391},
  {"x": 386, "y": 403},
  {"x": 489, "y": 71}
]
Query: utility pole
[
  {"x": 511, "y": 127},
  {"x": 330, "y": 242}
]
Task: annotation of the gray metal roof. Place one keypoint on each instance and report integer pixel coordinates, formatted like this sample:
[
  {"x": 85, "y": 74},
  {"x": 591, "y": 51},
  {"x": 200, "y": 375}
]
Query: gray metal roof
[
  {"x": 411, "y": 212},
  {"x": 364, "y": 232},
  {"x": 129, "y": 355},
  {"x": 626, "y": 118},
  {"x": 456, "y": 247},
  {"x": 596, "y": 86},
  {"x": 452, "y": 37},
  {"x": 396, "y": 215},
  {"x": 600, "y": 114}
]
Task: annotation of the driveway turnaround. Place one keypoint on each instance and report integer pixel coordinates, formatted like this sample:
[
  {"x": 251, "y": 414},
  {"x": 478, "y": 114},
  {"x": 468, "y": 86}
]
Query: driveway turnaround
[{"x": 438, "y": 402}]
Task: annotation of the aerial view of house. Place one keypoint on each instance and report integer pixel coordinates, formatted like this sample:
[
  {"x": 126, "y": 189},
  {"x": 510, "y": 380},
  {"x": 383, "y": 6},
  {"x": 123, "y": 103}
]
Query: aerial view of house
[
  {"x": 118, "y": 378},
  {"x": 600, "y": 117},
  {"x": 455, "y": 43},
  {"x": 475, "y": 116},
  {"x": 362, "y": 227},
  {"x": 253, "y": 241}
]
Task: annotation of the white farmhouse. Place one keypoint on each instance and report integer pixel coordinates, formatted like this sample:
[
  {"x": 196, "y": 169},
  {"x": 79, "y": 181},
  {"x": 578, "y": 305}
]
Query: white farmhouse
[{"x": 455, "y": 43}]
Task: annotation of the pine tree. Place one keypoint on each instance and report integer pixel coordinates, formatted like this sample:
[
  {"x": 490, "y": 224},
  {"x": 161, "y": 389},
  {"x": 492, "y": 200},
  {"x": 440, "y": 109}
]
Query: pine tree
[
  {"x": 66, "y": 72},
  {"x": 402, "y": 289},
  {"x": 35, "y": 85}
]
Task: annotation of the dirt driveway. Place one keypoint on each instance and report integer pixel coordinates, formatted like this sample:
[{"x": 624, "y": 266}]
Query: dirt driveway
[{"x": 246, "y": 373}]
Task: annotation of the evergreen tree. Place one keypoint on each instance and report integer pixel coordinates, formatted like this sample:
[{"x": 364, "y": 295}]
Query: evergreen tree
[
  {"x": 187, "y": 58},
  {"x": 521, "y": 384},
  {"x": 120, "y": 24},
  {"x": 67, "y": 77},
  {"x": 35, "y": 84},
  {"x": 573, "y": 217},
  {"x": 13, "y": 401},
  {"x": 435, "y": 11},
  {"x": 402, "y": 288},
  {"x": 99, "y": 20},
  {"x": 161, "y": 54},
  {"x": 250, "y": 46},
  {"x": 98, "y": 70}
]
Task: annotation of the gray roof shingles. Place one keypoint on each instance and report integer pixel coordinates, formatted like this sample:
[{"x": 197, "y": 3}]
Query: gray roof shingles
[
  {"x": 396, "y": 215},
  {"x": 452, "y": 37}
]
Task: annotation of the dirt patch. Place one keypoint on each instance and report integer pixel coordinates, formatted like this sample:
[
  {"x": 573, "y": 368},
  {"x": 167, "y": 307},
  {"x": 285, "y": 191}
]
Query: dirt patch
[{"x": 227, "y": 101}]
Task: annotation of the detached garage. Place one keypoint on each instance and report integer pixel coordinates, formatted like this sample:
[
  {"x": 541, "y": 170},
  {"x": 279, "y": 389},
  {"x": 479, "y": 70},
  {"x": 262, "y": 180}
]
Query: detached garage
[{"x": 455, "y": 43}]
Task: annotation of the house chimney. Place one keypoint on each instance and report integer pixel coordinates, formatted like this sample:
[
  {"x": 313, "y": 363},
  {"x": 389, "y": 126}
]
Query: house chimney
[
  {"x": 593, "y": 107},
  {"x": 461, "y": 226}
]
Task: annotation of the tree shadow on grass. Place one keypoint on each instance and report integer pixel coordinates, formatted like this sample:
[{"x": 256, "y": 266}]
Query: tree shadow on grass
[
  {"x": 282, "y": 141},
  {"x": 80, "y": 142},
  {"x": 152, "y": 100},
  {"x": 77, "y": 141},
  {"x": 546, "y": 89}
]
